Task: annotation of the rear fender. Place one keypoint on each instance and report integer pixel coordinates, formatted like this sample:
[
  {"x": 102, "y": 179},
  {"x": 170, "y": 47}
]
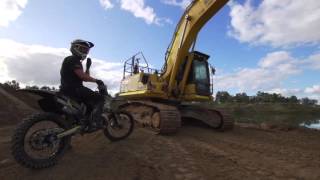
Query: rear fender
[
  {"x": 50, "y": 105},
  {"x": 48, "y": 101}
]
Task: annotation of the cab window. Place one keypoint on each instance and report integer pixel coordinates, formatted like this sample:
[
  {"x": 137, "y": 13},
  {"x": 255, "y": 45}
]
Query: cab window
[{"x": 200, "y": 69}]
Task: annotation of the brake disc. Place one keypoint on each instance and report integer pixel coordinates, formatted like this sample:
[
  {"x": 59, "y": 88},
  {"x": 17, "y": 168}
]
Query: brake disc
[{"x": 44, "y": 138}]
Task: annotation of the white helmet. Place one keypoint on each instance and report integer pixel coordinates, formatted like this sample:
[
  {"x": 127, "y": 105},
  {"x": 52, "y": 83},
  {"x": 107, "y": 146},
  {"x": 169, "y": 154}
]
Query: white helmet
[{"x": 81, "y": 48}]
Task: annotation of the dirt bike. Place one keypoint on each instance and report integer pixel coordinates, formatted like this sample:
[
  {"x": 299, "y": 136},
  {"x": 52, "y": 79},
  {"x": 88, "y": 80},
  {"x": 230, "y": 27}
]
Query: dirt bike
[{"x": 42, "y": 138}]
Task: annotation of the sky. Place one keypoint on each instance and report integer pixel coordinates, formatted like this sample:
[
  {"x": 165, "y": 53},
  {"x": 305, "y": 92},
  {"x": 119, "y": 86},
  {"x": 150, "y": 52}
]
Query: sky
[{"x": 270, "y": 45}]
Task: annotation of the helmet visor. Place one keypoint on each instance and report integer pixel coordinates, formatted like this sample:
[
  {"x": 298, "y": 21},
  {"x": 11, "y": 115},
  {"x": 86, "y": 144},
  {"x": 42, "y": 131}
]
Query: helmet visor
[{"x": 83, "y": 49}]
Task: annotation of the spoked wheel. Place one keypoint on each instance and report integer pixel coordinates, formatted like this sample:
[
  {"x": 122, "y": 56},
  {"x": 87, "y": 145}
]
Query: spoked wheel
[
  {"x": 119, "y": 127},
  {"x": 35, "y": 143}
]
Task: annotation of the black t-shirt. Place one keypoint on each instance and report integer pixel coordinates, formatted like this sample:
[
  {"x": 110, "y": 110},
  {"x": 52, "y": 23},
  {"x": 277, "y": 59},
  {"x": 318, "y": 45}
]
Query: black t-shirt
[{"x": 69, "y": 80}]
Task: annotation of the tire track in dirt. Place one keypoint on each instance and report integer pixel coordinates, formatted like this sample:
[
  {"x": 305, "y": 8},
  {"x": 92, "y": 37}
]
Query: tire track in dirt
[
  {"x": 192, "y": 153},
  {"x": 159, "y": 150},
  {"x": 255, "y": 157}
]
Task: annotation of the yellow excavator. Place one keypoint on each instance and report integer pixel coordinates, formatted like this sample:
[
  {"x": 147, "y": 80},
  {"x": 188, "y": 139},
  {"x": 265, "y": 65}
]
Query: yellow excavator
[{"x": 183, "y": 88}]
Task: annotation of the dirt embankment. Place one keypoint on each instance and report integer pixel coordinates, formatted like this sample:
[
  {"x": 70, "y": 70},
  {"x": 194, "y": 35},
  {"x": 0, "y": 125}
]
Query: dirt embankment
[
  {"x": 14, "y": 106},
  {"x": 195, "y": 152}
]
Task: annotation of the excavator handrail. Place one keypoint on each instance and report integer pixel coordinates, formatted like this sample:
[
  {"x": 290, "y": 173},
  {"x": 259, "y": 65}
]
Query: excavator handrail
[{"x": 133, "y": 65}]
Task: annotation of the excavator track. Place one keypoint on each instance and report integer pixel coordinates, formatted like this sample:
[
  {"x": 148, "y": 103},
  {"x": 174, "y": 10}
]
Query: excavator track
[
  {"x": 215, "y": 118},
  {"x": 166, "y": 119},
  {"x": 161, "y": 118},
  {"x": 227, "y": 123}
]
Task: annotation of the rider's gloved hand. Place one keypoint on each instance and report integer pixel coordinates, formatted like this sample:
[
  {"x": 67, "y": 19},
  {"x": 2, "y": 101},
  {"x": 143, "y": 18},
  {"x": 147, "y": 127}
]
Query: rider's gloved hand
[
  {"x": 99, "y": 82},
  {"x": 88, "y": 64}
]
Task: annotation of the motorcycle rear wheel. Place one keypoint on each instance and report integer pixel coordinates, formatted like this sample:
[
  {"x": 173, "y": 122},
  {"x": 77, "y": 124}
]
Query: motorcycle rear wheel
[{"x": 27, "y": 156}]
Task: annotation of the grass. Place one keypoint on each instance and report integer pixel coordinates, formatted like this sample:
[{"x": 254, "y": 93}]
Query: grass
[{"x": 292, "y": 114}]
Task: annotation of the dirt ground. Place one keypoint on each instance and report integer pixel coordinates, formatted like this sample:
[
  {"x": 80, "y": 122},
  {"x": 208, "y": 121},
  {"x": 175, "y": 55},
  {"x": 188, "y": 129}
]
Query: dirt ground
[{"x": 196, "y": 152}]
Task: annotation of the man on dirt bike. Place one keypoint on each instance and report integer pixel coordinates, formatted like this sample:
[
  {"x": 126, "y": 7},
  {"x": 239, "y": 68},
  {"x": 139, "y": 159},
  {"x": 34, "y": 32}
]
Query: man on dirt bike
[
  {"x": 43, "y": 137},
  {"x": 73, "y": 76}
]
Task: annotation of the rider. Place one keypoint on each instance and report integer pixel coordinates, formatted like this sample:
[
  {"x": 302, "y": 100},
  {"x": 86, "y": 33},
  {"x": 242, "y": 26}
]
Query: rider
[{"x": 73, "y": 76}]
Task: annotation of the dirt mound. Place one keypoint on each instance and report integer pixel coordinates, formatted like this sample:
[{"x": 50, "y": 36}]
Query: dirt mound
[
  {"x": 15, "y": 105},
  {"x": 27, "y": 98}
]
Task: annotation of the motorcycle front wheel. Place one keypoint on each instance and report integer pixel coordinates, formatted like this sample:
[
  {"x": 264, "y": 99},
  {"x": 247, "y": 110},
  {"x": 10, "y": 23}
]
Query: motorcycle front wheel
[{"x": 119, "y": 126}]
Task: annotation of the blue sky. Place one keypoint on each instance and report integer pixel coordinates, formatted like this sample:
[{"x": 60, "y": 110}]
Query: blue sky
[{"x": 255, "y": 45}]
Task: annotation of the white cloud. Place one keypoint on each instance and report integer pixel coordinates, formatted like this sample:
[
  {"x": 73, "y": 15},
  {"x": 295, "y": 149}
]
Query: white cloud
[
  {"x": 315, "y": 89},
  {"x": 181, "y": 3},
  {"x": 270, "y": 74},
  {"x": 139, "y": 10},
  {"x": 313, "y": 92},
  {"x": 106, "y": 4},
  {"x": 275, "y": 58},
  {"x": 10, "y": 10},
  {"x": 40, "y": 65},
  {"x": 31, "y": 64},
  {"x": 277, "y": 23},
  {"x": 310, "y": 92},
  {"x": 314, "y": 61},
  {"x": 109, "y": 72},
  {"x": 162, "y": 21},
  {"x": 287, "y": 92},
  {"x": 271, "y": 71},
  {"x": 3, "y": 71}
]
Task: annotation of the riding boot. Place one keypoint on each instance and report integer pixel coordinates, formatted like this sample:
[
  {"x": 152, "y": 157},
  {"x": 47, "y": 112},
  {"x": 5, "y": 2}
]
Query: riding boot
[{"x": 96, "y": 120}]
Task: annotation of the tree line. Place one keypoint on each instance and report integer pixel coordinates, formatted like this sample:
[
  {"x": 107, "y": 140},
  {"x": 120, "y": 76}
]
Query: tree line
[
  {"x": 261, "y": 97},
  {"x": 16, "y": 85},
  {"x": 221, "y": 96}
]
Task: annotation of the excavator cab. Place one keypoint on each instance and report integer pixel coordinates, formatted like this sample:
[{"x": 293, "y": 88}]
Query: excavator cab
[
  {"x": 194, "y": 77},
  {"x": 199, "y": 74}
]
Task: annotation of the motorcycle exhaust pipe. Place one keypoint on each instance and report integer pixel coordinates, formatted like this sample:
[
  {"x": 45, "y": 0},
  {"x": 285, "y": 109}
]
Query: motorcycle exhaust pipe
[{"x": 69, "y": 132}]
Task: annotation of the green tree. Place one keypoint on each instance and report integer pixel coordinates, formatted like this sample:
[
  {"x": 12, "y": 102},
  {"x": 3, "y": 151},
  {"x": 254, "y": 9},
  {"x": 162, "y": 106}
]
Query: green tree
[
  {"x": 241, "y": 98},
  {"x": 307, "y": 101},
  {"x": 34, "y": 87},
  {"x": 223, "y": 97},
  {"x": 12, "y": 84},
  {"x": 46, "y": 88},
  {"x": 293, "y": 100}
]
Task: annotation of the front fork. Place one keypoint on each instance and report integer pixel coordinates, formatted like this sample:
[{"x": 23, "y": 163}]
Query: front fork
[{"x": 113, "y": 120}]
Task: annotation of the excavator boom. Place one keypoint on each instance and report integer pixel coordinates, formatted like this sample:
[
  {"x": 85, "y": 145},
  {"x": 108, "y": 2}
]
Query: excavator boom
[{"x": 194, "y": 18}]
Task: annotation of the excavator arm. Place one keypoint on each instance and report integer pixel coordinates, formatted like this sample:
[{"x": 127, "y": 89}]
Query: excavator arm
[{"x": 197, "y": 14}]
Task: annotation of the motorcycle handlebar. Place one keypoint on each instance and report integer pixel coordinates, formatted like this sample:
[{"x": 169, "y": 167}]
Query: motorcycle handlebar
[{"x": 103, "y": 89}]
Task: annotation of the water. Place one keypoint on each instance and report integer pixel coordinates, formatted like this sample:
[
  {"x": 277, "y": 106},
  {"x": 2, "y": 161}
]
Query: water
[{"x": 312, "y": 125}]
